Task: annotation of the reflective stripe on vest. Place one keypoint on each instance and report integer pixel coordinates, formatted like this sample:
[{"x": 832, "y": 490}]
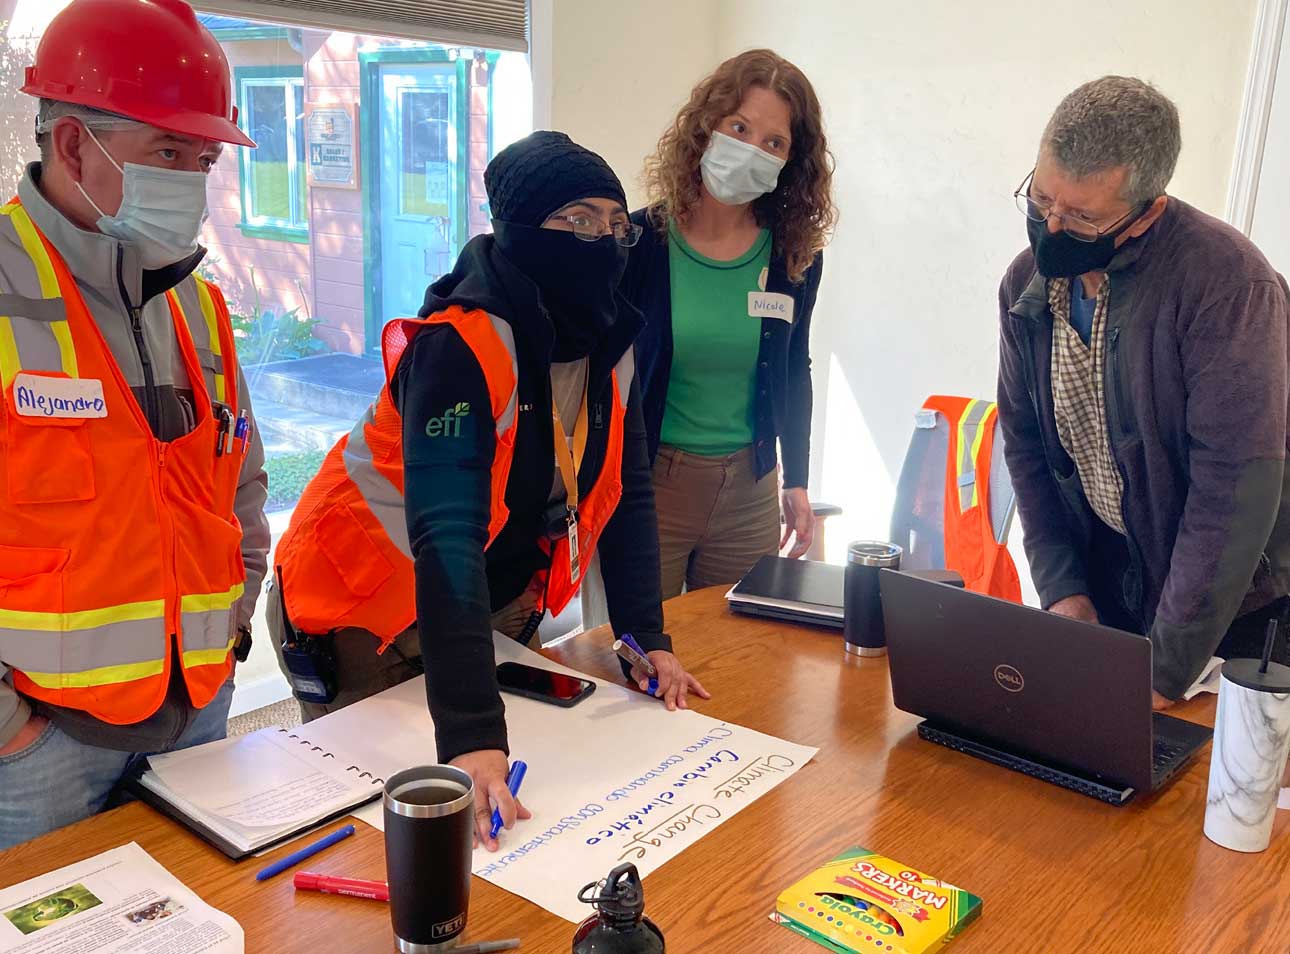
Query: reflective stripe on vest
[
  {"x": 56, "y": 334},
  {"x": 212, "y": 342},
  {"x": 977, "y": 419},
  {"x": 970, "y": 547},
  {"x": 83, "y": 657}
]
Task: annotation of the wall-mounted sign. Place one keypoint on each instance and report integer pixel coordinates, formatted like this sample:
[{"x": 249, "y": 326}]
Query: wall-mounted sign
[{"x": 333, "y": 144}]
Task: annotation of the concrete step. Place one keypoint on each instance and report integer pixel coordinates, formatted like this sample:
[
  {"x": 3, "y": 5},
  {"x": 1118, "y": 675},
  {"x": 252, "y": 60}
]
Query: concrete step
[
  {"x": 340, "y": 385},
  {"x": 289, "y": 430}
]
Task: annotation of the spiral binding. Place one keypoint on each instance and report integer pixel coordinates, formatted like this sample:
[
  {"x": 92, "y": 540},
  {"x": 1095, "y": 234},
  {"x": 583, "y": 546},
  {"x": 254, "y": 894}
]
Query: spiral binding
[{"x": 328, "y": 755}]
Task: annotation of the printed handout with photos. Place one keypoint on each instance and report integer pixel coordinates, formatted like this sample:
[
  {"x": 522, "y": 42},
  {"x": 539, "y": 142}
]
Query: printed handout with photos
[{"x": 118, "y": 902}]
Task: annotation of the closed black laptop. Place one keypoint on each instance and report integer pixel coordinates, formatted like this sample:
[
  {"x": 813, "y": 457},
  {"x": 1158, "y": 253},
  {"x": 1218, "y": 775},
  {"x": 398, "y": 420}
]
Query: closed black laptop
[
  {"x": 1064, "y": 701},
  {"x": 798, "y": 591}
]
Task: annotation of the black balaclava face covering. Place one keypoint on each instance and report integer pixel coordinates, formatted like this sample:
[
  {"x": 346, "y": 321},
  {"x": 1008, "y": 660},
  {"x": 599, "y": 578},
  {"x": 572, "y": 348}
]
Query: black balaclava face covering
[
  {"x": 578, "y": 280},
  {"x": 1057, "y": 255},
  {"x": 528, "y": 182}
]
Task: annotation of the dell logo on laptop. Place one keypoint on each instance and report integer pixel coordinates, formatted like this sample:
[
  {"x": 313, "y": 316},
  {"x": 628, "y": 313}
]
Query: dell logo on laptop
[{"x": 1008, "y": 678}]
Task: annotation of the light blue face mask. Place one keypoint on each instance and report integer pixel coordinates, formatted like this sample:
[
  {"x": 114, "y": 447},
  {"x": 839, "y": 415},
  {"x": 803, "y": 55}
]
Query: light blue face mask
[
  {"x": 736, "y": 172},
  {"x": 162, "y": 210}
]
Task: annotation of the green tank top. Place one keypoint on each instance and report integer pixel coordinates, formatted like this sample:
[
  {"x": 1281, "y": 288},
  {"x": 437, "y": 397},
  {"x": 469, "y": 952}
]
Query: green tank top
[{"x": 715, "y": 343}]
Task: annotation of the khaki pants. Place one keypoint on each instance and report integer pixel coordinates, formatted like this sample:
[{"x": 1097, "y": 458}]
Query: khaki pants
[
  {"x": 715, "y": 519},
  {"x": 360, "y": 671}
]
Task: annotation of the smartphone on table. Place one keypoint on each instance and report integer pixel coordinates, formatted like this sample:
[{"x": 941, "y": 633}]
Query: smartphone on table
[{"x": 543, "y": 685}]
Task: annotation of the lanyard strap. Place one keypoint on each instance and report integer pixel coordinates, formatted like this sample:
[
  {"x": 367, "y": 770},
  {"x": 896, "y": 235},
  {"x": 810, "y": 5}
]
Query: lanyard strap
[{"x": 570, "y": 460}]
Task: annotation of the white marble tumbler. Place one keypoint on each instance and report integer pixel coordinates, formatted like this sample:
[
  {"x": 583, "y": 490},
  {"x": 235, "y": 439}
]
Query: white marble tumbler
[{"x": 1251, "y": 739}]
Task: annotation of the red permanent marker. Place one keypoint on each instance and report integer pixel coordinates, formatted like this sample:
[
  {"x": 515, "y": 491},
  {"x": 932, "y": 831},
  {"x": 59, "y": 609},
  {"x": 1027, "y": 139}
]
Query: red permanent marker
[{"x": 312, "y": 881}]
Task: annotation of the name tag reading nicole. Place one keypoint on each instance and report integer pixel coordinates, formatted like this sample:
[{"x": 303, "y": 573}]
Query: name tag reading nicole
[
  {"x": 37, "y": 395},
  {"x": 770, "y": 305}
]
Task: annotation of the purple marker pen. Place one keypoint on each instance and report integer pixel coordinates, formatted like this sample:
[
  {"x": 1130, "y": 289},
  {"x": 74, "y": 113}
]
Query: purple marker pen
[{"x": 629, "y": 649}]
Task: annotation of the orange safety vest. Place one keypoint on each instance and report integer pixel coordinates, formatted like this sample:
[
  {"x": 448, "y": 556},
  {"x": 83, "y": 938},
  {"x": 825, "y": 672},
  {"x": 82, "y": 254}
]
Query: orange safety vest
[
  {"x": 346, "y": 560},
  {"x": 970, "y": 547},
  {"x": 112, "y": 542}
]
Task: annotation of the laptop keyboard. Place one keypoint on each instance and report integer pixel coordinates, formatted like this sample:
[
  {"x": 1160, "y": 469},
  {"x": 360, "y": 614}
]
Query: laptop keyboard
[
  {"x": 1084, "y": 786},
  {"x": 1164, "y": 755}
]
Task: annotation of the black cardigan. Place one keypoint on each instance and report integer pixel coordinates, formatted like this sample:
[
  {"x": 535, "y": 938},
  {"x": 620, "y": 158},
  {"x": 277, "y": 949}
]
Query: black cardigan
[{"x": 783, "y": 403}]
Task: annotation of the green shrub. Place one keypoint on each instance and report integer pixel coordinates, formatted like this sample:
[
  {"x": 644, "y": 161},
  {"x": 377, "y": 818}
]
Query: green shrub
[
  {"x": 269, "y": 337},
  {"x": 288, "y": 476}
]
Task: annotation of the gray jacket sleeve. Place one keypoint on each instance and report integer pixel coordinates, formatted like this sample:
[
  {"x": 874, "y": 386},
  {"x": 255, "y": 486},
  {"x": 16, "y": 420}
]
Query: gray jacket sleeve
[
  {"x": 252, "y": 491},
  {"x": 1234, "y": 369},
  {"x": 14, "y": 711}
]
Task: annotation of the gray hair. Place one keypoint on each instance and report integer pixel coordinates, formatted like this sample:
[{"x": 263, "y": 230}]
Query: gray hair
[
  {"x": 52, "y": 110},
  {"x": 1117, "y": 121}
]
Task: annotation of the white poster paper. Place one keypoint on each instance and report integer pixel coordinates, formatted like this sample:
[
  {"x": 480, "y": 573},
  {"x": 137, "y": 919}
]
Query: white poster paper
[{"x": 616, "y": 778}]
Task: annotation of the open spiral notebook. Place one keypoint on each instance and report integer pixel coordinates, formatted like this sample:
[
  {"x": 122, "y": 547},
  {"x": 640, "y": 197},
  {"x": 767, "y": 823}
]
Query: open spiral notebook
[{"x": 250, "y": 793}]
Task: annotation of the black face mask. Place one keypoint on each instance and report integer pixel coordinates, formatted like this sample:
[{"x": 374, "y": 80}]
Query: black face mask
[
  {"x": 578, "y": 280},
  {"x": 1057, "y": 255}
]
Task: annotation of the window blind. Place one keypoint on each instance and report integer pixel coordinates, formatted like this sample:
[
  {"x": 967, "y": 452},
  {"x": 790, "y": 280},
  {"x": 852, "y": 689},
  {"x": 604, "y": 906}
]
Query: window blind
[{"x": 492, "y": 24}]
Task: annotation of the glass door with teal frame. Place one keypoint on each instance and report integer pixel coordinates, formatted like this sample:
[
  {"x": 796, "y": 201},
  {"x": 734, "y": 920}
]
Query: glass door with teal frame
[{"x": 419, "y": 217}]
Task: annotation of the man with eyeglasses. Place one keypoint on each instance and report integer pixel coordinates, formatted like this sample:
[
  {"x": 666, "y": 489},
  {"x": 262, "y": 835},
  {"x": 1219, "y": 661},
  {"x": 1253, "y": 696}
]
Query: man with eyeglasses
[
  {"x": 506, "y": 450},
  {"x": 1143, "y": 394}
]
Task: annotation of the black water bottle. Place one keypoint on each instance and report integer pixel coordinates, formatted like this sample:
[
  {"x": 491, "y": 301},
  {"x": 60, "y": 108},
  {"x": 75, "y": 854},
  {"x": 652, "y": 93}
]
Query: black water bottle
[{"x": 619, "y": 925}]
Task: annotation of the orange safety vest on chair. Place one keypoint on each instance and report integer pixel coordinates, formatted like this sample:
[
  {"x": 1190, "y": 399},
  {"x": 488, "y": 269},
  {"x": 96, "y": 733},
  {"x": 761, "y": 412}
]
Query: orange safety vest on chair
[
  {"x": 111, "y": 541},
  {"x": 346, "y": 560},
  {"x": 970, "y": 547}
]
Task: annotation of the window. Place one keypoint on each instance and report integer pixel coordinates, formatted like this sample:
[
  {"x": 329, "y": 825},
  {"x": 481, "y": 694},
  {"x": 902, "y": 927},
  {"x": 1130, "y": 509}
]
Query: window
[
  {"x": 427, "y": 165},
  {"x": 272, "y": 110}
]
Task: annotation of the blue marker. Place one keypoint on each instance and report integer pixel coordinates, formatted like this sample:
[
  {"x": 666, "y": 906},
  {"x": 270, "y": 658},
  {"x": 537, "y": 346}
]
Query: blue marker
[
  {"x": 513, "y": 780},
  {"x": 641, "y": 661},
  {"x": 242, "y": 432},
  {"x": 295, "y": 858}
]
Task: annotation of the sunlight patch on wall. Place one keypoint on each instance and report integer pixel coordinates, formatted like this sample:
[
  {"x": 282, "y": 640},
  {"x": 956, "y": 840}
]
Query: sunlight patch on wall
[{"x": 854, "y": 475}]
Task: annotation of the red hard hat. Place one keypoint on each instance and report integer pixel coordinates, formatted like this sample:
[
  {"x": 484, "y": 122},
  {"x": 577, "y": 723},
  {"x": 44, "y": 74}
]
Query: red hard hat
[{"x": 149, "y": 60}]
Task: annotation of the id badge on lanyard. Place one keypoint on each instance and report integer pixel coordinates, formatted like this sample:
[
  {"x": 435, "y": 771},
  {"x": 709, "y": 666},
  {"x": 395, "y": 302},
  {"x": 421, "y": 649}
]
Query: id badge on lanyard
[
  {"x": 575, "y": 563},
  {"x": 569, "y": 461}
]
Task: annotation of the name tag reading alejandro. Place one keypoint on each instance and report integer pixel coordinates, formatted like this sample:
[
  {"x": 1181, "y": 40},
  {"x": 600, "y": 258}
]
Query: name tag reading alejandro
[
  {"x": 37, "y": 395},
  {"x": 770, "y": 305}
]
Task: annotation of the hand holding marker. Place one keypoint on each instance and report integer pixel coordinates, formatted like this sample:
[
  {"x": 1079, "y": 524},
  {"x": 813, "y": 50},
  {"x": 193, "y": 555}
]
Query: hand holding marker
[
  {"x": 627, "y": 648},
  {"x": 514, "y": 778}
]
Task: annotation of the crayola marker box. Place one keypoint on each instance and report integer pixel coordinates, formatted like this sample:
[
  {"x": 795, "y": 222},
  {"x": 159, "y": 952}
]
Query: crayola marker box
[{"x": 861, "y": 901}]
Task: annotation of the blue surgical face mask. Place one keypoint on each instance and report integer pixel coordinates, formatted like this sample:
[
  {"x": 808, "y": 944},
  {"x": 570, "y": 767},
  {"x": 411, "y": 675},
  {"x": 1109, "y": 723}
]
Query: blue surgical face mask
[
  {"x": 162, "y": 210},
  {"x": 736, "y": 172}
]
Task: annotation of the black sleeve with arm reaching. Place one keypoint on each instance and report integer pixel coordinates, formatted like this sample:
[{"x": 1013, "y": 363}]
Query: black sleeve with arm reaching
[
  {"x": 448, "y": 443},
  {"x": 628, "y": 546}
]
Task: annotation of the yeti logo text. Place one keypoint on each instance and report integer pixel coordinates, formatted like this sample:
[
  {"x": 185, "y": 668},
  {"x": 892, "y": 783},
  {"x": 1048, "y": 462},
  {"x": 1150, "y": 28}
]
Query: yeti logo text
[
  {"x": 450, "y": 424},
  {"x": 446, "y": 928},
  {"x": 1009, "y": 678}
]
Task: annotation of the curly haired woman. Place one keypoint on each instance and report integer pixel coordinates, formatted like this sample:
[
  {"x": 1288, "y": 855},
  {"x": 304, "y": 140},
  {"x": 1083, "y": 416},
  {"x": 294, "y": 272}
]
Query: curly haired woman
[{"x": 726, "y": 274}]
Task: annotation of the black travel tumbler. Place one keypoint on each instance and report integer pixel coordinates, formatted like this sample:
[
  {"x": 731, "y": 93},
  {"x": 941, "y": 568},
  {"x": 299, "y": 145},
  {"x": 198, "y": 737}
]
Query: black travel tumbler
[
  {"x": 861, "y": 608},
  {"x": 428, "y": 844}
]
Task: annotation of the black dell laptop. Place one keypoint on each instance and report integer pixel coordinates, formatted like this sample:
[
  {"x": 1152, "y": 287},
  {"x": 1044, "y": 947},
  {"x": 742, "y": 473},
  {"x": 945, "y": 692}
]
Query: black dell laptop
[{"x": 1061, "y": 700}]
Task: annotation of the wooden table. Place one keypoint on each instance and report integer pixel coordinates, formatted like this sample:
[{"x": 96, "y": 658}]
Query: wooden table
[{"x": 1059, "y": 872}]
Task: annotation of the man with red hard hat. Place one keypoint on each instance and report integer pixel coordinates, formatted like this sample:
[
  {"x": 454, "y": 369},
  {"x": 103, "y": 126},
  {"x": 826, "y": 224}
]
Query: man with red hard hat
[{"x": 132, "y": 534}]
